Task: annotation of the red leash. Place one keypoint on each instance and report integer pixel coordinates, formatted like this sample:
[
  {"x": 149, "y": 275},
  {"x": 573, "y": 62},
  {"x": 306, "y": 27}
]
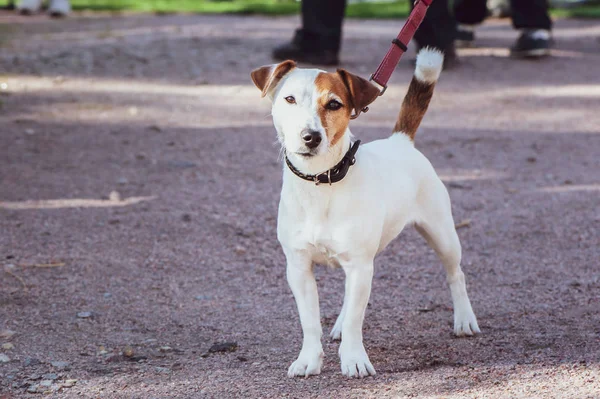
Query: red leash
[{"x": 398, "y": 47}]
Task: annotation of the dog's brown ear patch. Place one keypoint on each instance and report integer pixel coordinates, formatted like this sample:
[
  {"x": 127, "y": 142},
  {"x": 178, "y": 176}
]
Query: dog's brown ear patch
[
  {"x": 362, "y": 92},
  {"x": 267, "y": 77}
]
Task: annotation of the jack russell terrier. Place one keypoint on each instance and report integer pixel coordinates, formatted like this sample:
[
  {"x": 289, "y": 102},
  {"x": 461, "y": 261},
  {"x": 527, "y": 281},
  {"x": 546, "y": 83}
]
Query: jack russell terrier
[{"x": 341, "y": 205}]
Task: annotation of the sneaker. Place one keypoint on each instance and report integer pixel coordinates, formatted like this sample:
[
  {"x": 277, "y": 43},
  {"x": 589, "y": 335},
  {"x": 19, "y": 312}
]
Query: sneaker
[
  {"x": 28, "y": 7},
  {"x": 532, "y": 44},
  {"x": 302, "y": 50},
  {"x": 465, "y": 36},
  {"x": 59, "y": 8}
]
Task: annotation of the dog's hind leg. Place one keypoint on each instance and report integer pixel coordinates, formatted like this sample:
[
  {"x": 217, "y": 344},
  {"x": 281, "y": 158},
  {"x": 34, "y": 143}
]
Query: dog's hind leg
[
  {"x": 304, "y": 287},
  {"x": 436, "y": 225},
  {"x": 336, "y": 331}
]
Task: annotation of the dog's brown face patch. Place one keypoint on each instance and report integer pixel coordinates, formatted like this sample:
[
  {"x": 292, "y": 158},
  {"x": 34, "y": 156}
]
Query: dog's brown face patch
[{"x": 334, "y": 105}]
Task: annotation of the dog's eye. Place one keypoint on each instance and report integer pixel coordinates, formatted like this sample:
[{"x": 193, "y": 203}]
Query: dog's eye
[
  {"x": 333, "y": 105},
  {"x": 290, "y": 99}
]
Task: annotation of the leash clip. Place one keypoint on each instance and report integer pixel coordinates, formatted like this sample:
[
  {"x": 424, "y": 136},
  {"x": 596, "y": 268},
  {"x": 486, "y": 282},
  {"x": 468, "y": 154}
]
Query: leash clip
[{"x": 382, "y": 89}]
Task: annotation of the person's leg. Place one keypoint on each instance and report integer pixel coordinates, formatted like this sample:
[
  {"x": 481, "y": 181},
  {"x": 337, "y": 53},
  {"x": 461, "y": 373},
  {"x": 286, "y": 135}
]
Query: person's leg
[
  {"x": 468, "y": 14},
  {"x": 29, "y": 6},
  {"x": 438, "y": 27},
  {"x": 59, "y": 8},
  {"x": 322, "y": 22},
  {"x": 532, "y": 18},
  {"x": 530, "y": 14},
  {"x": 319, "y": 39}
]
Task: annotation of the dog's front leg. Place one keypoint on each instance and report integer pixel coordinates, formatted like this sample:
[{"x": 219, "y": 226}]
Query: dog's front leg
[
  {"x": 354, "y": 359},
  {"x": 304, "y": 287}
]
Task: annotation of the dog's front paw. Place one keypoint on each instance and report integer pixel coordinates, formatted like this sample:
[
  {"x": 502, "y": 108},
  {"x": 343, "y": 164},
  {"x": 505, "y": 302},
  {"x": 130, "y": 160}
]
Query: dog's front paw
[
  {"x": 308, "y": 363},
  {"x": 355, "y": 362},
  {"x": 465, "y": 322}
]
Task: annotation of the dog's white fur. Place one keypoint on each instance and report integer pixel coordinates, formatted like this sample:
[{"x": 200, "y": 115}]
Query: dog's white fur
[{"x": 347, "y": 224}]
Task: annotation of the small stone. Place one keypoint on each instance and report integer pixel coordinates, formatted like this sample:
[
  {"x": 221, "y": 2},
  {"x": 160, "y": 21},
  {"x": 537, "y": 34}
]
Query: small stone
[
  {"x": 568, "y": 182},
  {"x": 122, "y": 180},
  {"x": 8, "y": 346},
  {"x": 29, "y": 132},
  {"x": 45, "y": 383},
  {"x": 128, "y": 351},
  {"x": 463, "y": 223},
  {"x": 114, "y": 196},
  {"x": 60, "y": 365},
  {"x": 458, "y": 186},
  {"x": 186, "y": 217},
  {"x": 69, "y": 383},
  {"x": 240, "y": 250},
  {"x": 31, "y": 361},
  {"x": 107, "y": 295},
  {"x": 165, "y": 349},
  {"x": 84, "y": 315},
  {"x": 4, "y": 358},
  {"x": 7, "y": 334},
  {"x": 133, "y": 111},
  {"x": 155, "y": 128},
  {"x": 162, "y": 369},
  {"x": 50, "y": 376},
  {"x": 202, "y": 297},
  {"x": 224, "y": 347},
  {"x": 32, "y": 388},
  {"x": 531, "y": 159},
  {"x": 242, "y": 358},
  {"x": 150, "y": 340}
]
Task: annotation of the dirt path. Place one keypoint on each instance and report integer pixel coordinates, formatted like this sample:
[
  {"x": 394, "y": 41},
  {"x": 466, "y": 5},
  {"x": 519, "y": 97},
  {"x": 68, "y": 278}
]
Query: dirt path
[{"x": 137, "y": 159}]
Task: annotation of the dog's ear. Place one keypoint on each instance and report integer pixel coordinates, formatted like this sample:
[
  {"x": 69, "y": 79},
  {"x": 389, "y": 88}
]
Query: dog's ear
[
  {"x": 362, "y": 92},
  {"x": 267, "y": 77}
]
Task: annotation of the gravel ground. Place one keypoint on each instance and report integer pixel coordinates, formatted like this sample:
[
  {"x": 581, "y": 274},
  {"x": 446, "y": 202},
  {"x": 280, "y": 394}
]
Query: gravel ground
[{"x": 139, "y": 184}]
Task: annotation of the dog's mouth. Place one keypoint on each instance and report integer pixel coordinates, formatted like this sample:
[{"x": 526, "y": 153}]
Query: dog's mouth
[{"x": 305, "y": 154}]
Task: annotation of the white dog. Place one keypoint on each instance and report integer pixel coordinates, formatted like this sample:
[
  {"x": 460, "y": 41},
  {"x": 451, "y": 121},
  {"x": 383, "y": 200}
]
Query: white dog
[{"x": 342, "y": 207}]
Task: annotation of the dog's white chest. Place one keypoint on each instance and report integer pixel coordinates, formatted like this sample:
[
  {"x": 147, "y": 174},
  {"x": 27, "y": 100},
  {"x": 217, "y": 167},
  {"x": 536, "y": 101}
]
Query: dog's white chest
[
  {"x": 325, "y": 254},
  {"x": 326, "y": 246}
]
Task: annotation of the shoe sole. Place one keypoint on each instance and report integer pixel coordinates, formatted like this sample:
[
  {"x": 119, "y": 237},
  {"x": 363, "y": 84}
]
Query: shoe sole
[
  {"x": 464, "y": 44},
  {"x": 537, "y": 53}
]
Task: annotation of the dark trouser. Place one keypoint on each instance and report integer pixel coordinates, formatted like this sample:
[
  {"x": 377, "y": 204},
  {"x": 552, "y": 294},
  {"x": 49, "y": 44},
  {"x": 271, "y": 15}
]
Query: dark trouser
[
  {"x": 322, "y": 23},
  {"x": 439, "y": 26}
]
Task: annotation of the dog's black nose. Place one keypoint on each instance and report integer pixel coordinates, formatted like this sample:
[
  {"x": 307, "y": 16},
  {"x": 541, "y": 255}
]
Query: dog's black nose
[{"x": 312, "y": 138}]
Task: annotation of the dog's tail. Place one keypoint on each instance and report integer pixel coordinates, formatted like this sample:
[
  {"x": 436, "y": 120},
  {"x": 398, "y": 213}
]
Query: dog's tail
[{"x": 420, "y": 90}]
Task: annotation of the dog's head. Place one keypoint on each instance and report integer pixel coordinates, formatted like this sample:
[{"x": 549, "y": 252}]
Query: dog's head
[{"x": 312, "y": 108}]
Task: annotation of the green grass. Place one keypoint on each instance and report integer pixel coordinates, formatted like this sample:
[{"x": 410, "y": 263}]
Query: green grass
[{"x": 395, "y": 9}]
